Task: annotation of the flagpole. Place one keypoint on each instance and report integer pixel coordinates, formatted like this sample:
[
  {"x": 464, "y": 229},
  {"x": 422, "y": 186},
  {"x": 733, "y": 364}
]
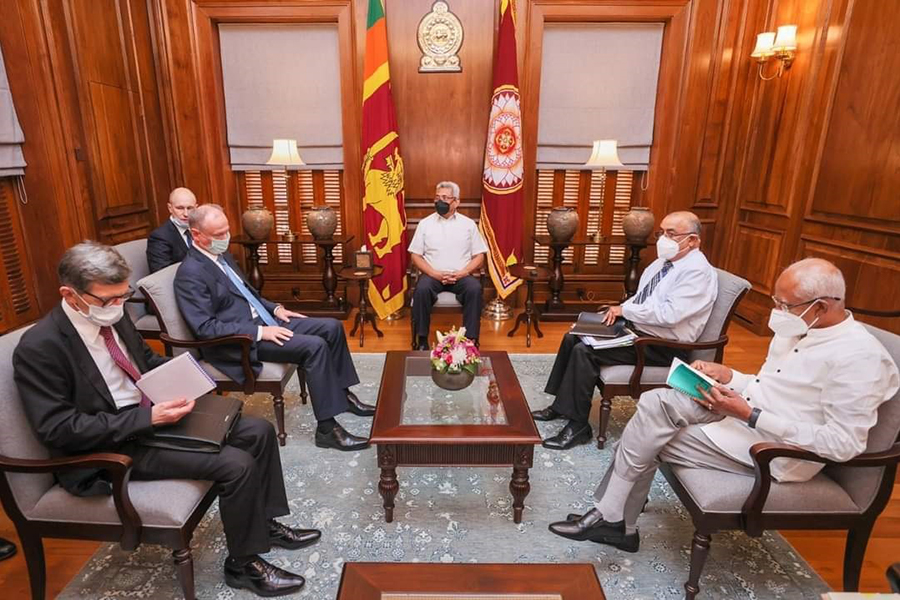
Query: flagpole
[{"x": 497, "y": 310}]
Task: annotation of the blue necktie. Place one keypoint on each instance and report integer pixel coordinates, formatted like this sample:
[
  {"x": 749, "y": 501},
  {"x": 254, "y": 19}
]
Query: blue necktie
[
  {"x": 654, "y": 281},
  {"x": 189, "y": 238},
  {"x": 265, "y": 315}
]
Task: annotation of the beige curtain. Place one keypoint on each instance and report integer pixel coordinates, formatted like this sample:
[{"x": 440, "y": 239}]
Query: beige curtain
[
  {"x": 282, "y": 81},
  {"x": 12, "y": 162},
  {"x": 598, "y": 81}
]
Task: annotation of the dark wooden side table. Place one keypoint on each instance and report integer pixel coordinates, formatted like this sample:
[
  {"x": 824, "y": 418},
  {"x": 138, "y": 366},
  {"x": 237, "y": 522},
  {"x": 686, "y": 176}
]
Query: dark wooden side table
[
  {"x": 530, "y": 274},
  {"x": 363, "y": 276},
  {"x": 442, "y": 581}
]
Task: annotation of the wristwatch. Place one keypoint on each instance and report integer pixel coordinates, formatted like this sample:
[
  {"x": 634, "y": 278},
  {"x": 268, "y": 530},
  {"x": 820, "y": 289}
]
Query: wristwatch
[{"x": 753, "y": 418}]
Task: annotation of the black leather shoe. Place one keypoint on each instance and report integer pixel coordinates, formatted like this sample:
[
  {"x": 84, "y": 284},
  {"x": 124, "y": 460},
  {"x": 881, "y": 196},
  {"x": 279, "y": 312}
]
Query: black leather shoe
[
  {"x": 293, "y": 539},
  {"x": 340, "y": 439},
  {"x": 591, "y": 526},
  {"x": 358, "y": 408},
  {"x": 7, "y": 549},
  {"x": 546, "y": 414},
  {"x": 571, "y": 435},
  {"x": 630, "y": 543},
  {"x": 261, "y": 578},
  {"x": 573, "y": 516}
]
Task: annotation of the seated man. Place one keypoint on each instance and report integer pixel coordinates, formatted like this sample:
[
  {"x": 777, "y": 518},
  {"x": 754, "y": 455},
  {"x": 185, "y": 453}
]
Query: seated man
[
  {"x": 674, "y": 300},
  {"x": 447, "y": 248},
  {"x": 75, "y": 371},
  {"x": 168, "y": 244},
  {"x": 819, "y": 389},
  {"x": 216, "y": 300}
]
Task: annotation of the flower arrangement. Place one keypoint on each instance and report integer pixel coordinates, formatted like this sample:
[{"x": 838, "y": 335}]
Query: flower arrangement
[{"x": 455, "y": 353}]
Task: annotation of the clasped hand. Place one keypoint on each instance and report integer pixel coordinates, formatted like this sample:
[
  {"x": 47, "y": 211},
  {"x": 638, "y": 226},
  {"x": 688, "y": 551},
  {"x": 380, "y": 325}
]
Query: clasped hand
[{"x": 451, "y": 277}]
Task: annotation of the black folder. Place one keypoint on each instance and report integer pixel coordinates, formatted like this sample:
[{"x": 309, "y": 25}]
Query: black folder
[
  {"x": 590, "y": 323},
  {"x": 204, "y": 429}
]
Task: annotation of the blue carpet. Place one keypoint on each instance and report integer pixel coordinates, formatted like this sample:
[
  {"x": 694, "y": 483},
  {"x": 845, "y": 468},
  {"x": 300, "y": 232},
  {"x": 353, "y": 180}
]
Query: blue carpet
[{"x": 458, "y": 515}]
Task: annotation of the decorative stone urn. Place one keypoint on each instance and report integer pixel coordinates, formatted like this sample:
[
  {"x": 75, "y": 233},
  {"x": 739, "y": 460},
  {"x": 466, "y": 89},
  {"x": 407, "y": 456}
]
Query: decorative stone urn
[
  {"x": 452, "y": 381},
  {"x": 257, "y": 222},
  {"x": 638, "y": 223},
  {"x": 562, "y": 224},
  {"x": 322, "y": 222}
]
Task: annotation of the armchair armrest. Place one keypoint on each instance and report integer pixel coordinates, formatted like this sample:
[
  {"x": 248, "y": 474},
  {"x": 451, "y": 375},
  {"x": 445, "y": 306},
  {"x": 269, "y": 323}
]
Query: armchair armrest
[
  {"x": 119, "y": 467},
  {"x": 642, "y": 342},
  {"x": 764, "y": 453},
  {"x": 245, "y": 342}
]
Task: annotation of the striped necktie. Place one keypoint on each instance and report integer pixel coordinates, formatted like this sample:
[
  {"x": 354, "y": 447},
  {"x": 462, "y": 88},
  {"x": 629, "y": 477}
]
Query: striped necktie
[
  {"x": 654, "y": 281},
  {"x": 122, "y": 361}
]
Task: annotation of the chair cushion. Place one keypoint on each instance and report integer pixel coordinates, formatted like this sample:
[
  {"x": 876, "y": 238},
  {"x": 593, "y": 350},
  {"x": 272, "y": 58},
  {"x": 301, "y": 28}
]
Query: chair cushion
[
  {"x": 447, "y": 300},
  {"x": 270, "y": 371},
  {"x": 621, "y": 375},
  {"x": 147, "y": 323},
  {"x": 720, "y": 492},
  {"x": 163, "y": 503},
  {"x": 160, "y": 287}
]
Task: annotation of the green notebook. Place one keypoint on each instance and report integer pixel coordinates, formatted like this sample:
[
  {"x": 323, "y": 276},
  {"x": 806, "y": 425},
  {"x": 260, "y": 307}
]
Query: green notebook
[{"x": 685, "y": 379}]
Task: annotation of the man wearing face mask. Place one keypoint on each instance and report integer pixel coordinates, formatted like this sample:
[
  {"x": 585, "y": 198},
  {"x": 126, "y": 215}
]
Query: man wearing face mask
[
  {"x": 76, "y": 371},
  {"x": 216, "y": 299},
  {"x": 820, "y": 388},
  {"x": 674, "y": 300},
  {"x": 447, "y": 248},
  {"x": 168, "y": 244}
]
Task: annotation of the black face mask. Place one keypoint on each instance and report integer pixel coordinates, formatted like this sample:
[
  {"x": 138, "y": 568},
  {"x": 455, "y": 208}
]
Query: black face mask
[{"x": 442, "y": 207}]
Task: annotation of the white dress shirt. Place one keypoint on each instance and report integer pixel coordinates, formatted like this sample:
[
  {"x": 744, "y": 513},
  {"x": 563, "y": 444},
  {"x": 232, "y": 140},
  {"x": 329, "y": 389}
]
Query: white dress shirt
[
  {"x": 181, "y": 230},
  {"x": 682, "y": 301},
  {"x": 215, "y": 259},
  {"x": 820, "y": 392},
  {"x": 448, "y": 244},
  {"x": 124, "y": 392}
]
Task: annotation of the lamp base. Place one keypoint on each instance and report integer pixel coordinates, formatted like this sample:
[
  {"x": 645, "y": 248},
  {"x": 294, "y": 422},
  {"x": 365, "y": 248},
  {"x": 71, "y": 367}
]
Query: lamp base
[
  {"x": 497, "y": 310},
  {"x": 395, "y": 316}
]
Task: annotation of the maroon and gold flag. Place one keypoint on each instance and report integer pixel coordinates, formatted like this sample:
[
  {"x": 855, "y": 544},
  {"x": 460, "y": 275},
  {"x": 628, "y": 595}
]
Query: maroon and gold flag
[
  {"x": 384, "y": 213},
  {"x": 501, "y": 197}
]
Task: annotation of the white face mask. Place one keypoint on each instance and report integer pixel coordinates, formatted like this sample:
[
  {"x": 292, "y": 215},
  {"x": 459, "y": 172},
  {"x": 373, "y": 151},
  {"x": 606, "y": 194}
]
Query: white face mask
[
  {"x": 666, "y": 248},
  {"x": 103, "y": 316},
  {"x": 219, "y": 246},
  {"x": 179, "y": 223},
  {"x": 787, "y": 324}
]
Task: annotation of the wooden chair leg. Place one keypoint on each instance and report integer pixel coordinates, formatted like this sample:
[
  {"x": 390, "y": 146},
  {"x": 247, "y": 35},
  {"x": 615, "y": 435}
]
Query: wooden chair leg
[
  {"x": 184, "y": 566},
  {"x": 854, "y": 552},
  {"x": 301, "y": 376},
  {"x": 33, "y": 548},
  {"x": 699, "y": 552},
  {"x": 605, "y": 411},
  {"x": 278, "y": 403},
  {"x": 412, "y": 329}
]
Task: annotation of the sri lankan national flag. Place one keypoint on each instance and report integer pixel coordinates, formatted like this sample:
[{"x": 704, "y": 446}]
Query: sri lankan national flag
[
  {"x": 502, "y": 195},
  {"x": 384, "y": 214}
]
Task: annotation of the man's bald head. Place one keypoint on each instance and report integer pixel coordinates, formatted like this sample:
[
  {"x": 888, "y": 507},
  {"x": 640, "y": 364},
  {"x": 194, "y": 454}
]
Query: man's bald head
[
  {"x": 682, "y": 227},
  {"x": 809, "y": 280},
  {"x": 685, "y": 220},
  {"x": 181, "y": 202}
]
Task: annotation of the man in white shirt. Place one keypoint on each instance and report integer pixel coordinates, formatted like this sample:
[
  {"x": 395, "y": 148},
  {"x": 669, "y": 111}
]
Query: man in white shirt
[
  {"x": 674, "y": 300},
  {"x": 447, "y": 248},
  {"x": 820, "y": 388},
  {"x": 168, "y": 244}
]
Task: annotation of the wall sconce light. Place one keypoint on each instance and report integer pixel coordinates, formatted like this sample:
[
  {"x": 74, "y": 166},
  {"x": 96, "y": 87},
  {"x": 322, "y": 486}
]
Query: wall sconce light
[{"x": 781, "y": 46}]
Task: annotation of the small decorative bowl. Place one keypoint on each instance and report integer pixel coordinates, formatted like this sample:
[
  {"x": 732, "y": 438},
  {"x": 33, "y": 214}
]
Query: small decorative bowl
[{"x": 452, "y": 381}]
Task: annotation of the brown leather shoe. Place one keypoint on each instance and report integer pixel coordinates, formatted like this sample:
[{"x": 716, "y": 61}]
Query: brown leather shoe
[
  {"x": 293, "y": 539},
  {"x": 261, "y": 578}
]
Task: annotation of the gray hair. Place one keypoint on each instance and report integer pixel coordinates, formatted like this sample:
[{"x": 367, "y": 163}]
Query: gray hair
[
  {"x": 817, "y": 278},
  {"x": 199, "y": 216},
  {"x": 92, "y": 262},
  {"x": 454, "y": 187},
  {"x": 690, "y": 219}
]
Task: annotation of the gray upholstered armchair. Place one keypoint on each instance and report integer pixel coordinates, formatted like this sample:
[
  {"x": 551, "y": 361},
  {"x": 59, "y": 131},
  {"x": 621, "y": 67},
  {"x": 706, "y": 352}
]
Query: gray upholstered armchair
[
  {"x": 154, "y": 512},
  {"x": 627, "y": 380},
  {"x": 159, "y": 290},
  {"x": 135, "y": 254},
  {"x": 847, "y": 495}
]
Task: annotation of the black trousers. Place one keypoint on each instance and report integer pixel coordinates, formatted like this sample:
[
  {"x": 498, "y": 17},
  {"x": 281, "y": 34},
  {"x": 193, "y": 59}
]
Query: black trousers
[
  {"x": 577, "y": 367},
  {"x": 247, "y": 472},
  {"x": 319, "y": 347},
  {"x": 468, "y": 292}
]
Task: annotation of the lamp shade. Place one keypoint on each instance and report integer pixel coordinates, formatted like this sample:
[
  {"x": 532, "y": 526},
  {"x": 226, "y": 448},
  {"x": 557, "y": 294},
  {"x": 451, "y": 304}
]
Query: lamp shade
[
  {"x": 605, "y": 155},
  {"x": 786, "y": 38},
  {"x": 764, "y": 43},
  {"x": 284, "y": 152}
]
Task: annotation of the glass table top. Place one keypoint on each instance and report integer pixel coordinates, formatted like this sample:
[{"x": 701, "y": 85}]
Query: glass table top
[{"x": 424, "y": 403}]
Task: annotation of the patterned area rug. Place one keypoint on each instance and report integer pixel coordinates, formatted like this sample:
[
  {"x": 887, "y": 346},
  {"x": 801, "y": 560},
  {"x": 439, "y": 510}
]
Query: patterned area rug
[{"x": 458, "y": 515}]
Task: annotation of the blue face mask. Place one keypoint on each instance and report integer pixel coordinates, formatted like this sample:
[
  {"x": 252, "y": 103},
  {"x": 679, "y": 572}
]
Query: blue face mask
[{"x": 219, "y": 246}]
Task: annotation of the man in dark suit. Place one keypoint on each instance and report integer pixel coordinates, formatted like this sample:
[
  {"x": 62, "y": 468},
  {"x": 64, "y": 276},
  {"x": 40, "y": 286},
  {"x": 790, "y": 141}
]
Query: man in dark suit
[
  {"x": 168, "y": 244},
  {"x": 76, "y": 371},
  {"x": 216, "y": 300}
]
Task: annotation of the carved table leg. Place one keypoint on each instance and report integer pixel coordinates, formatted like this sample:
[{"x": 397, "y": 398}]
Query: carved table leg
[
  {"x": 518, "y": 485},
  {"x": 388, "y": 485}
]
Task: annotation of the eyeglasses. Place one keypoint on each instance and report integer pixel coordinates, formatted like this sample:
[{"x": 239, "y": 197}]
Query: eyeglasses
[
  {"x": 104, "y": 302},
  {"x": 670, "y": 234},
  {"x": 781, "y": 305}
]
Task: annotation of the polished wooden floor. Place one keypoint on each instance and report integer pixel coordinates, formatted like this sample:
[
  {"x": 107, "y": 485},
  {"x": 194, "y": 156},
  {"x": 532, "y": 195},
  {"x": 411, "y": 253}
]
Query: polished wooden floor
[{"x": 746, "y": 351}]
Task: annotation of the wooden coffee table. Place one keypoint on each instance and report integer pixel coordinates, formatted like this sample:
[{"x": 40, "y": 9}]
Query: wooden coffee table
[
  {"x": 486, "y": 424},
  {"x": 436, "y": 581}
]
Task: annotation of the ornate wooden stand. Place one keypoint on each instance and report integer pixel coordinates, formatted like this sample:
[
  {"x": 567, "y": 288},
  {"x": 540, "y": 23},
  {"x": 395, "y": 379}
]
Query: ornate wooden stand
[
  {"x": 530, "y": 274},
  {"x": 363, "y": 276}
]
